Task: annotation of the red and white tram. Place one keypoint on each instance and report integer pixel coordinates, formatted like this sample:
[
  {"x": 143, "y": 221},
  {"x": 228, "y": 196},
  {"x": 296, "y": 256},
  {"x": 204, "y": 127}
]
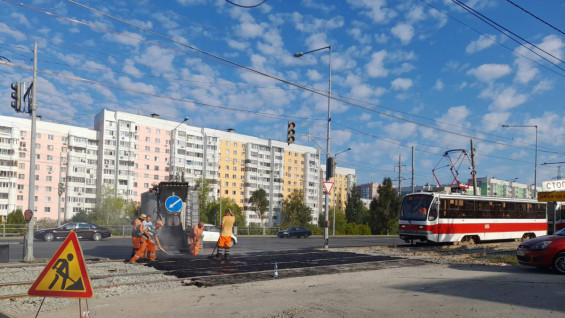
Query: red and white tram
[{"x": 448, "y": 217}]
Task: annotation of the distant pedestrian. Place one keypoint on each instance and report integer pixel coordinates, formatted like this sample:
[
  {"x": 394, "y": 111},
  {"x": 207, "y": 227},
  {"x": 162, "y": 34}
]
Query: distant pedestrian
[
  {"x": 225, "y": 235},
  {"x": 195, "y": 237}
]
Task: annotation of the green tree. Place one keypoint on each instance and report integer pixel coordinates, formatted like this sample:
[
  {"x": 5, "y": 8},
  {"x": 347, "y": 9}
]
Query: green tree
[
  {"x": 383, "y": 213},
  {"x": 295, "y": 212},
  {"x": 111, "y": 209},
  {"x": 213, "y": 215},
  {"x": 204, "y": 201},
  {"x": 259, "y": 201},
  {"x": 340, "y": 221},
  {"x": 15, "y": 220},
  {"x": 354, "y": 209}
]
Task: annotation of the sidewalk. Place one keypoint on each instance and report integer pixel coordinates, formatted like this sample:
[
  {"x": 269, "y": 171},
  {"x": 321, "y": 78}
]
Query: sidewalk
[{"x": 425, "y": 291}]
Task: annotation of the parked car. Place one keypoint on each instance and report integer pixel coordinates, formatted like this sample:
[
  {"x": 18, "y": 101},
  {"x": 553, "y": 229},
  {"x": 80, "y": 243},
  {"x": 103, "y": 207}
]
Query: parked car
[
  {"x": 211, "y": 233},
  {"x": 295, "y": 231},
  {"x": 544, "y": 251},
  {"x": 83, "y": 230}
]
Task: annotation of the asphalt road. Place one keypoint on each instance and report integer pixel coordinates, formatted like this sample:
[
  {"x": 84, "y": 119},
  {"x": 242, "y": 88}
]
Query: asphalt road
[{"x": 117, "y": 248}]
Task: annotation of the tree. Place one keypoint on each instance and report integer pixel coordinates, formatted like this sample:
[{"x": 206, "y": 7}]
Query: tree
[
  {"x": 204, "y": 201},
  {"x": 111, "y": 209},
  {"x": 259, "y": 201},
  {"x": 15, "y": 221},
  {"x": 214, "y": 212},
  {"x": 383, "y": 213},
  {"x": 354, "y": 209},
  {"x": 295, "y": 212}
]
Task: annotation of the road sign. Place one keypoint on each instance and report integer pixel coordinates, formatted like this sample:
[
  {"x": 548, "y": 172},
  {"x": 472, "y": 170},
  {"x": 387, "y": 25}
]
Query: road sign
[
  {"x": 173, "y": 204},
  {"x": 328, "y": 186},
  {"x": 65, "y": 275},
  {"x": 551, "y": 196},
  {"x": 553, "y": 185}
]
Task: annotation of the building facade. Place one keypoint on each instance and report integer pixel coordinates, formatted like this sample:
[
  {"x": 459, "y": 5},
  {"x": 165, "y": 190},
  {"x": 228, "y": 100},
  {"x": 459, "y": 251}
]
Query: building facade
[
  {"x": 369, "y": 191},
  {"x": 130, "y": 153}
]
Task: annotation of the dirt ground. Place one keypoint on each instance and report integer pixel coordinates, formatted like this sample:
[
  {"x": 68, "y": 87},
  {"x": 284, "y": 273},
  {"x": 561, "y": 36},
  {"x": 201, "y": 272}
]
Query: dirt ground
[{"x": 431, "y": 290}]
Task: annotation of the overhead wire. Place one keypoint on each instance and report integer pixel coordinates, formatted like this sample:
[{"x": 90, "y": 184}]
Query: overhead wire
[
  {"x": 494, "y": 40},
  {"x": 536, "y": 17},
  {"x": 500, "y": 28},
  {"x": 244, "y": 67}
]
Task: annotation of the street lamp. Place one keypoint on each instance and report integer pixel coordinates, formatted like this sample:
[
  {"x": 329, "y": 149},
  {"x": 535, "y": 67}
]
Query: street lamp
[
  {"x": 536, "y": 160},
  {"x": 174, "y": 140},
  {"x": 299, "y": 54},
  {"x": 335, "y": 189}
]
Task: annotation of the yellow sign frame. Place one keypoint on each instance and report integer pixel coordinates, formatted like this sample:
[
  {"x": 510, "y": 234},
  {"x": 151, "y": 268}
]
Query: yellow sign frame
[{"x": 551, "y": 196}]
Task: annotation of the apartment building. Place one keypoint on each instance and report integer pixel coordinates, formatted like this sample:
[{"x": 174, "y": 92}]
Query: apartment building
[
  {"x": 64, "y": 154},
  {"x": 131, "y": 153},
  {"x": 368, "y": 191}
]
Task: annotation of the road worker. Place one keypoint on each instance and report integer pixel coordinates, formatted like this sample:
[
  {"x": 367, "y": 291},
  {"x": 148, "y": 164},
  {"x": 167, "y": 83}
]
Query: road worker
[
  {"x": 225, "y": 235},
  {"x": 195, "y": 238},
  {"x": 142, "y": 237},
  {"x": 136, "y": 233},
  {"x": 153, "y": 240},
  {"x": 147, "y": 225}
]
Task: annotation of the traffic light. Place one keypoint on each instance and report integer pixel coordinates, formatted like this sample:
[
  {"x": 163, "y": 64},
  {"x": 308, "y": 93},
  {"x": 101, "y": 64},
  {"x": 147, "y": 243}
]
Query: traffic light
[
  {"x": 290, "y": 133},
  {"x": 61, "y": 188},
  {"x": 17, "y": 97},
  {"x": 330, "y": 168}
]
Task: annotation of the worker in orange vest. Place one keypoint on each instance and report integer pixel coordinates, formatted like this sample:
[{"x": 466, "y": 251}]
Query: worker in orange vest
[{"x": 139, "y": 238}]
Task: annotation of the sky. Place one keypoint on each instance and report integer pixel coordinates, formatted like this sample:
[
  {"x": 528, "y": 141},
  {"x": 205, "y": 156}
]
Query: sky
[{"x": 422, "y": 77}]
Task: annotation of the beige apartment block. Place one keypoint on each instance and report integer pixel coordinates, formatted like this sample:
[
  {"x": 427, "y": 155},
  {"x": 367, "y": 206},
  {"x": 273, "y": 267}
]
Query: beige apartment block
[{"x": 131, "y": 153}]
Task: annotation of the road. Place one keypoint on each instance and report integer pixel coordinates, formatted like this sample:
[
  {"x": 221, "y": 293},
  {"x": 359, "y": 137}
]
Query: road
[{"x": 117, "y": 248}]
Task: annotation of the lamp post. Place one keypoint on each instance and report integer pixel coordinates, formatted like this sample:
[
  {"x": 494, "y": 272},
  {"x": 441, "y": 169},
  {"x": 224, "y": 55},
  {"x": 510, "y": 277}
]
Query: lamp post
[
  {"x": 335, "y": 189},
  {"x": 326, "y": 223},
  {"x": 174, "y": 140},
  {"x": 536, "y": 160}
]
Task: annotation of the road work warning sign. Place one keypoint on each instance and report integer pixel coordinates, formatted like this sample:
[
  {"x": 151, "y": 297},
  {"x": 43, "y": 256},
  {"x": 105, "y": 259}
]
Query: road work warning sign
[{"x": 65, "y": 275}]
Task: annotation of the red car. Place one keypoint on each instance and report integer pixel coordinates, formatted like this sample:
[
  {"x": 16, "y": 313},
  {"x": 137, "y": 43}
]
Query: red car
[{"x": 544, "y": 251}]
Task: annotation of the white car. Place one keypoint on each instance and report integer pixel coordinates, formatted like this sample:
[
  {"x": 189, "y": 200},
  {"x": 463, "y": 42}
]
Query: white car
[{"x": 211, "y": 233}]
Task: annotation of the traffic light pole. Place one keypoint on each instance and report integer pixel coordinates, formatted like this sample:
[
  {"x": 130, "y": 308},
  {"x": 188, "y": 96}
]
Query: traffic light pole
[{"x": 28, "y": 243}]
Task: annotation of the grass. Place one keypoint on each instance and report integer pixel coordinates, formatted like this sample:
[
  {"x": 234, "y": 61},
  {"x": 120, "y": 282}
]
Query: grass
[{"x": 508, "y": 259}]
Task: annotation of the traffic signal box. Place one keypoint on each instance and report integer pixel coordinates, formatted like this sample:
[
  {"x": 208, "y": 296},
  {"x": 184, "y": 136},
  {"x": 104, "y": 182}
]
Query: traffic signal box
[
  {"x": 290, "y": 133},
  {"x": 17, "y": 97}
]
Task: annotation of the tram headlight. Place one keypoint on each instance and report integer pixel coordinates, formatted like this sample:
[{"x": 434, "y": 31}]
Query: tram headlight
[{"x": 541, "y": 245}]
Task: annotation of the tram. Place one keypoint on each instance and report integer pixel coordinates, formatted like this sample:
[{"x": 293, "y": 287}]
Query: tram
[{"x": 452, "y": 217}]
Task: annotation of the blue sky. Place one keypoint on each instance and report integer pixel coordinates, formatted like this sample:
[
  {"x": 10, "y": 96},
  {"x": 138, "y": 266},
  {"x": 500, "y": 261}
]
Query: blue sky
[{"x": 425, "y": 74}]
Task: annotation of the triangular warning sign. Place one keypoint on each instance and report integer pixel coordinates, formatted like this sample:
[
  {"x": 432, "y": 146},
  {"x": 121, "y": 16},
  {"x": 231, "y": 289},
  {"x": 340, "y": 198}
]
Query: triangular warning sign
[
  {"x": 65, "y": 275},
  {"x": 328, "y": 186}
]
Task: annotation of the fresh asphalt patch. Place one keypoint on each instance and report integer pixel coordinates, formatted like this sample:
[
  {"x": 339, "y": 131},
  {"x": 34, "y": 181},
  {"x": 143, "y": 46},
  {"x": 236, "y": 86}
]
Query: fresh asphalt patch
[{"x": 202, "y": 271}]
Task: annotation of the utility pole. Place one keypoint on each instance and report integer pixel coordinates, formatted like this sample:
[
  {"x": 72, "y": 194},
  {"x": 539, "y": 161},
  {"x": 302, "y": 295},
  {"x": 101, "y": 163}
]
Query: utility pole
[
  {"x": 412, "y": 169},
  {"x": 473, "y": 172},
  {"x": 28, "y": 243},
  {"x": 399, "y": 176}
]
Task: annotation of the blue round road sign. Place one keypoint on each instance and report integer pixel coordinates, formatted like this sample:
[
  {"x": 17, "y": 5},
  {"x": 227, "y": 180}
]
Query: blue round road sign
[{"x": 173, "y": 204}]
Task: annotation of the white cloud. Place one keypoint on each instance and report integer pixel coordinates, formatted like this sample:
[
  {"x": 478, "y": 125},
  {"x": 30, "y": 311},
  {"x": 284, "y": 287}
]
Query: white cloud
[
  {"x": 141, "y": 87},
  {"x": 129, "y": 67},
  {"x": 526, "y": 71},
  {"x": 415, "y": 14},
  {"x": 238, "y": 45},
  {"x": 404, "y": 32},
  {"x": 129, "y": 38},
  {"x": 376, "y": 67},
  {"x": 249, "y": 30},
  {"x": 13, "y": 33},
  {"x": 439, "y": 85},
  {"x": 376, "y": 9},
  {"x": 543, "y": 86},
  {"x": 480, "y": 44},
  {"x": 503, "y": 99},
  {"x": 313, "y": 75},
  {"x": 381, "y": 38},
  {"x": 358, "y": 35},
  {"x": 401, "y": 83},
  {"x": 159, "y": 60},
  {"x": 490, "y": 72},
  {"x": 493, "y": 121}
]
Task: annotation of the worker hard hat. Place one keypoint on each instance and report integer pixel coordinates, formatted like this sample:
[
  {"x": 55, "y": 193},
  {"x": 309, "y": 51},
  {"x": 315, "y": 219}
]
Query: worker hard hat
[{"x": 143, "y": 216}]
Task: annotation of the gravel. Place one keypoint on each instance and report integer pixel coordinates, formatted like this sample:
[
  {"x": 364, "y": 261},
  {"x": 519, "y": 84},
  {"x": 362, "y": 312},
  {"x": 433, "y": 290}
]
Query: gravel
[{"x": 144, "y": 276}]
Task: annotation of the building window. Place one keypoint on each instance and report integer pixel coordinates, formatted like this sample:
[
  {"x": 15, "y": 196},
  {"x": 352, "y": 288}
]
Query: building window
[{"x": 47, "y": 209}]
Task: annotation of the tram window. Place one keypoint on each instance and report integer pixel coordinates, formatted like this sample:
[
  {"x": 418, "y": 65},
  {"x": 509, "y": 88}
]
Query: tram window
[
  {"x": 510, "y": 210},
  {"x": 482, "y": 209},
  {"x": 521, "y": 210},
  {"x": 468, "y": 210},
  {"x": 432, "y": 215}
]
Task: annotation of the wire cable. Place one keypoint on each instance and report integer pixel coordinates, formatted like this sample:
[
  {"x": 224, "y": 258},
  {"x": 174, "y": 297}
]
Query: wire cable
[
  {"x": 536, "y": 17},
  {"x": 246, "y": 7}
]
